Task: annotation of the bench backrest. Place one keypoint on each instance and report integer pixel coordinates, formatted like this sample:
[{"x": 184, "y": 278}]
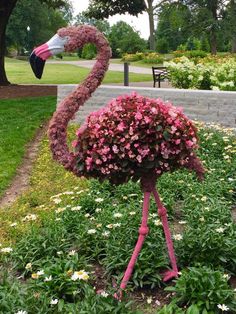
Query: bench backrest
[{"x": 159, "y": 72}]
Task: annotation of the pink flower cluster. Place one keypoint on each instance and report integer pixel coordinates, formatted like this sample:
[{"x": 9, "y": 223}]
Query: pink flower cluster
[{"x": 133, "y": 136}]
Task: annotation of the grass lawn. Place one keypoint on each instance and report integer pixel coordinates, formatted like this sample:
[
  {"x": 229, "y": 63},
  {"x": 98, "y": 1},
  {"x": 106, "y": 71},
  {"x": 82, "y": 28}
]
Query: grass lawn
[
  {"x": 19, "y": 120},
  {"x": 65, "y": 227},
  {"x": 20, "y": 72}
]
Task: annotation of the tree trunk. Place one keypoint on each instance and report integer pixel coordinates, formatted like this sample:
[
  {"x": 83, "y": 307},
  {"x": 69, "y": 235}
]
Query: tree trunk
[
  {"x": 213, "y": 38},
  {"x": 233, "y": 50},
  {"x": 6, "y": 7},
  {"x": 233, "y": 25},
  {"x": 150, "y": 12},
  {"x": 213, "y": 43}
]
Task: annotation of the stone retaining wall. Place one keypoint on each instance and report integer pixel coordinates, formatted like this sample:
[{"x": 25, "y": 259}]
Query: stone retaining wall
[{"x": 207, "y": 106}]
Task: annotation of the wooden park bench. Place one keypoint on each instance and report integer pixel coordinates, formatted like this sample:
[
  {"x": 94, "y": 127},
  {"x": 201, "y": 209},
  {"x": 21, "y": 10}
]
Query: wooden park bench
[{"x": 159, "y": 74}]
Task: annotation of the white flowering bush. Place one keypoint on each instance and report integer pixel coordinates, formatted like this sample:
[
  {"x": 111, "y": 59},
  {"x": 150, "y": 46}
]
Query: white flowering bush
[{"x": 206, "y": 74}]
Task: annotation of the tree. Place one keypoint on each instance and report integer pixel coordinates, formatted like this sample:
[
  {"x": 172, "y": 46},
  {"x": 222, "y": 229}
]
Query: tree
[
  {"x": 207, "y": 17},
  {"x": 101, "y": 9},
  {"x": 102, "y": 25},
  {"x": 173, "y": 26},
  {"x": 124, "y": 39},
  {"x": 6, "y": 8},
  {"x": 231, "y": 10},
  {"x": 41, "y": 20}
]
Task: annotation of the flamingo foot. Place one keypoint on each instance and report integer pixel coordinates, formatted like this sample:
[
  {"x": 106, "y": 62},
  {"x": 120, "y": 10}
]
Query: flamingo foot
[
  {"x": 169, "y": 274},
  {"x": 118, "y": 295}
]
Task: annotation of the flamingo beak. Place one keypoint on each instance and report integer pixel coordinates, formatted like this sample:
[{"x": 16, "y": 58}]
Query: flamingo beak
[{"x": 40, "y": 54}]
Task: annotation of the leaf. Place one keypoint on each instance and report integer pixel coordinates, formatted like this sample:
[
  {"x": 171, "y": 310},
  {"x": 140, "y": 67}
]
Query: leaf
[
  {"x": 193, "y": 309},
  {"x": 60, "y": 305},
  {"x": 166, "y": 135},
  {"x": 159, "y": 128}
]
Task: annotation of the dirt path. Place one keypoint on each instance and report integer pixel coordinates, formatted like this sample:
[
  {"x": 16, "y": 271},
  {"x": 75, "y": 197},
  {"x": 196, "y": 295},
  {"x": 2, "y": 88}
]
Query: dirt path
[{"x": 20, "y": 182}]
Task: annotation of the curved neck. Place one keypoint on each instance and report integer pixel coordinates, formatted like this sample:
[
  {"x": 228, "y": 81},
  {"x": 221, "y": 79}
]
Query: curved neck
[{"x": 70, "y": 105}]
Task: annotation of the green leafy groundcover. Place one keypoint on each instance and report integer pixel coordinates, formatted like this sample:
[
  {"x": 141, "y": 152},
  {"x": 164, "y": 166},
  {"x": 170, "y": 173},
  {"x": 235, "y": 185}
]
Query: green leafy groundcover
[
  {"x": 58, "y": 232},
  {"x": 19, "y": 120}
]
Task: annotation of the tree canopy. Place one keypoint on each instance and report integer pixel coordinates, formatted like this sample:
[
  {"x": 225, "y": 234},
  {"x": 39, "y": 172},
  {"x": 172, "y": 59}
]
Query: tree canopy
[
  {"x": 101, "y": 9},
  {"x": 6, "y": 8},
  {"x": 32, "y": 22}
]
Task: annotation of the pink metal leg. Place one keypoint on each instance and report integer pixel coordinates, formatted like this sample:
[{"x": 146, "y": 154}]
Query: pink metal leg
[
  {"x": 143, "y": 231},
  {"x": 163, "y": 215}
]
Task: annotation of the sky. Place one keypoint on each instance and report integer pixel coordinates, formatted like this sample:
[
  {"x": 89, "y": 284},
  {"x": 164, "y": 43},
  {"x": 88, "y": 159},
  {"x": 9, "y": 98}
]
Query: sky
[{"x": 139, "y": 23}]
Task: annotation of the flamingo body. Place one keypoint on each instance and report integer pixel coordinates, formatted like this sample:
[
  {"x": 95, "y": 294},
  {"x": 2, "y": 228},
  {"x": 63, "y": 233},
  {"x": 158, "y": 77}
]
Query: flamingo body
[{"x": 132, "y": 136}]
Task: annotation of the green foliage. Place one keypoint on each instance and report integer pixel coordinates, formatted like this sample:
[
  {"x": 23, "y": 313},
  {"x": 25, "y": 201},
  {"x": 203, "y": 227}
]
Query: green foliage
[
  {"x": 124, "y": 39},
  {"x": 89, "y": 52},
  {"x": 203, "y": 289},
  {"x": 163, "y": 45},
  {"x": 171, "y": 309},
  {"x": 193, "y": 44},
  {"x": 101, "y": 9},
  {"x": 173, "y": 28},
  {"x": 195, "y": 54},
  {"x": 42, "y": 20}
]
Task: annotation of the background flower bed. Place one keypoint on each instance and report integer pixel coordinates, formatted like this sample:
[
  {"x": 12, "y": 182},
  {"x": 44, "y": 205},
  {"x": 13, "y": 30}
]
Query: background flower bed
[
  {"x": 64, "y": 225},
  {"x": 203, "y": 73},
  {"x": 146, "y": 57}
]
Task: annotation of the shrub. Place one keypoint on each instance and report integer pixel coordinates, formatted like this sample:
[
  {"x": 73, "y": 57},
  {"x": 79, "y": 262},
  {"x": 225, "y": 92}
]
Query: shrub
[
  {"x": 206, "y": 73},
  {"x": 89, "y": 52},
  {"x": 163, "y": 45},
  {"x": 153, "y": 57},
  {"x": 203, "y": 288},
  {"x": 190, "y": 53},
  {"x": 133, "y": 56},
  {"x": 148, "y": 57}
]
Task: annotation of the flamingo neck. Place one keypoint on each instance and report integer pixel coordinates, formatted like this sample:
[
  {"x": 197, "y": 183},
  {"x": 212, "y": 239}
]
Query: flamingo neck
[{"x": 70, "y": 105}]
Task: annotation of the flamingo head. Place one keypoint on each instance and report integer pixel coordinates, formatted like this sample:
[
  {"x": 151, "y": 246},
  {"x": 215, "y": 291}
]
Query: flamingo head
[{"x": 40, "y": 54}]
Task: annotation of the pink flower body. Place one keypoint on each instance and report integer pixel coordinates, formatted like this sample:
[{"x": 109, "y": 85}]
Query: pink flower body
[{"x": 134, "y": 135}]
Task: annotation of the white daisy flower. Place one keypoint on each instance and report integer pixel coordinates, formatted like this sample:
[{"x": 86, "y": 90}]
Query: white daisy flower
[
  {"x": 47, "y": 279},
  {"x": 220, "y": 230},
  {"x": 54, "y": 301},
  {"x": 28, "y": 266},
  {"x": 117, "y": 215},
  {"x": 99, "y": 200},
  {"x": 92, "y": 231},
  {"x": 6, "y": 250},
  {"x": 222, "y": 307},
  {"x": 178, "y": 237}
]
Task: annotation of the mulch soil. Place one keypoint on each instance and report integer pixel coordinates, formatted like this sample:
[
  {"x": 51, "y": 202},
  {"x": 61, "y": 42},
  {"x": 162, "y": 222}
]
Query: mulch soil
[{"x": 21, "y": 91}]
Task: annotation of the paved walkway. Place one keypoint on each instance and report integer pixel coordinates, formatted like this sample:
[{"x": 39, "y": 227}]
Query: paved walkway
[
  {"x": 112, "y": 67},
  {"x": 116, "y": 67}
]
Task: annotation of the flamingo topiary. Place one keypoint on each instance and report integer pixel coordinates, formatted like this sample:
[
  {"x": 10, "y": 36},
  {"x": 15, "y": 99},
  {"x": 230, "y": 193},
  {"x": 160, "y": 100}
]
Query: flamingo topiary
[{"x": 133, "y": 137}]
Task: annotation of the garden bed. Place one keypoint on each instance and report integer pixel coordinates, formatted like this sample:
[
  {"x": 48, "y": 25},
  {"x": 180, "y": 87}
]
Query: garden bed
[
  {"x": 21, "y": 91},
  {"x": 63, "y": 225}
]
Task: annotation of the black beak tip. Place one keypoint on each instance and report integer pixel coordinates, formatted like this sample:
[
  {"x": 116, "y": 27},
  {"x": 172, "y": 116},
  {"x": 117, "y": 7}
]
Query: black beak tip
[{"x": 37, "y": 65}]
